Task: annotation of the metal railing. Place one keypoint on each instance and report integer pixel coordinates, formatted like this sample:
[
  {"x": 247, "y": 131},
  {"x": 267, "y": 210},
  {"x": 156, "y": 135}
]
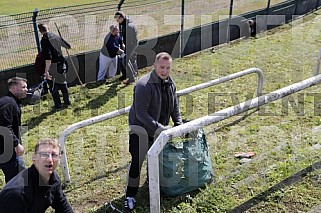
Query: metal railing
[
  {"x": 93, "y": 120},
  {"x": 163, "y": 138}
]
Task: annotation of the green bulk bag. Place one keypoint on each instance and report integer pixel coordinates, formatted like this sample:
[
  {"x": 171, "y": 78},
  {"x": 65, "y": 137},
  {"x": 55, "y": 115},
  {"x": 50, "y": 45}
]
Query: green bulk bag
[{"x": 185, "y": 165}]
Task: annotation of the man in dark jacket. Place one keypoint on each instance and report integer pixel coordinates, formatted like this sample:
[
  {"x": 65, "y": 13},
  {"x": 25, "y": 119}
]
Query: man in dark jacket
[
  {"x": 38, "y": 187},
  {"x": 129, "y": 34},
  {"x": 154, "y": 102},
  {"x": 56, "y": 65},
  {"x": 11, "y": 148},
  {"x": 252, "y": 27},
  {"x": 108, "y": 54}
]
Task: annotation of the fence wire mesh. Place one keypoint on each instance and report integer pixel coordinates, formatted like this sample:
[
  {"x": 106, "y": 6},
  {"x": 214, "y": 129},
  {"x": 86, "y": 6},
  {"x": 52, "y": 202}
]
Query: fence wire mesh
[{"x": 85, "y": 26}]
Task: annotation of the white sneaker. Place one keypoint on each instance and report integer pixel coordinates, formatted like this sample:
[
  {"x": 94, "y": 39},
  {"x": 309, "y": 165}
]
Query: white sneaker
[{"x": 129, "y": 203}]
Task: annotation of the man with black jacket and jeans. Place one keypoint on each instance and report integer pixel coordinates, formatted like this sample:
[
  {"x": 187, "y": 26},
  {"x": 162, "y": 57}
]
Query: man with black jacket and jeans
[
  {"x": 11, "y": 149},
  {"x": 35, "y": 189},
  {"x": 129, "y": 34},
  {"x": 56, "y": 65},
  {"x": 154, "y": 103}
]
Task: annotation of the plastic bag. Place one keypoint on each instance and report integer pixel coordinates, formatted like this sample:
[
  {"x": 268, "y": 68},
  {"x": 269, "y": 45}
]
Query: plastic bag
[{"x": 185, "y": 166}]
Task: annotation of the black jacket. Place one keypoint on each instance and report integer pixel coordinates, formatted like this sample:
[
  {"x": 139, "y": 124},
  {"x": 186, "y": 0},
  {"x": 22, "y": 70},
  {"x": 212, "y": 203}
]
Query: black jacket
[
  {"x": 146, "y": 109},
  {"x": 10, "y": 118},
  {"x": 51, "y": 47},
  {"x": 26, "y": 194},
  {"x": 129, "y": 34}
]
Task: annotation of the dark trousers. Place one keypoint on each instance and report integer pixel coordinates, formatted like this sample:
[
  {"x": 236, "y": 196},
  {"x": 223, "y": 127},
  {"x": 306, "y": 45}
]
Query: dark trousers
[
  {"x": 129, "y": 63},
  {"x": 54, "y": 89},
  {"x": 138, "y": 147},
  {"x": 45, "y": 88},
  {"x": 12, "y": 167},
  {"x": 128, "y": 70}
]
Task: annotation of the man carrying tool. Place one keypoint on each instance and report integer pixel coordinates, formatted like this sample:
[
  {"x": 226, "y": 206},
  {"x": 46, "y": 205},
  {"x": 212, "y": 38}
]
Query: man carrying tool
[{"x": 56, "y": 65}]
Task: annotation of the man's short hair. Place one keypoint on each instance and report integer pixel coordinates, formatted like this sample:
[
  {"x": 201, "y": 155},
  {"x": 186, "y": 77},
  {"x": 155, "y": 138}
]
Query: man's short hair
[
  {"x": 250, "y": 21},
  {"x": 43, "y": 27},
  {"x": 163, "y": 55},
  {"x": 15, "y": 80},
  {"x": 112, "y": 27},
  {"x": 119, "y": 14},
  {"x": 48, "y": 141}
]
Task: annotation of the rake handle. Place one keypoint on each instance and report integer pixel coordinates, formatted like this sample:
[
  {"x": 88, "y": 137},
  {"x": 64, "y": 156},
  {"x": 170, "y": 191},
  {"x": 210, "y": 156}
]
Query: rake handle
[{"x": 72, "y": 63}]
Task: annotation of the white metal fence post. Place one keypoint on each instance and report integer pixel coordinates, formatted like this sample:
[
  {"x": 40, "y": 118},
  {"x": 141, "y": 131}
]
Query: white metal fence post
[{"x": 161, "y": 141}]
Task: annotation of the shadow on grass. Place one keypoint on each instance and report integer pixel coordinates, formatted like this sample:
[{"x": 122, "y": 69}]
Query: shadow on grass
[
  {"x": 36, "y": 120},
  {"x": 248, "y": 113},
  {"x": 117, "y": 205},
  {"x": 92, "y": 104},
  {"x": 142, "y": 202},
  {"x": 105, "y": 97},
  {"x": 107, "y": 174},
  {"x": 279, "y": 186},
  {"x": 96, "y": 103}
]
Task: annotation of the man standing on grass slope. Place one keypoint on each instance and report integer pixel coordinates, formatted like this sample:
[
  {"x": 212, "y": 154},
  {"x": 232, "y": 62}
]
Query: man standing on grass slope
[
  {"x": 129, "y": 34},
  {"x": 56, "y": 65},
  {"x": 38, "y": 187},
  {"x": 154, "y": 102},
  {"x": 11, "y": 149}
]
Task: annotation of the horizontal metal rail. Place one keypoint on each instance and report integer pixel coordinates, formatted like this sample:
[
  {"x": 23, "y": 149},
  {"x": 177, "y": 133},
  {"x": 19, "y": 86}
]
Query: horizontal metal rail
[
  {"x": 163, "y": 138},
  {"x": 226, "y": 78},
  {"x": 75, "y": 126},
  {"x": 93, "y": 120}
]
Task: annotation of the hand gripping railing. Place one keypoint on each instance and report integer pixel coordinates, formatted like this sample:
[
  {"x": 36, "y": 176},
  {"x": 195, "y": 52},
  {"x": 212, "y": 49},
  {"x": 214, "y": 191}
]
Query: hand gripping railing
[
  {"x": 93, "y": 120},
  {"x": 163, "y": 138}
]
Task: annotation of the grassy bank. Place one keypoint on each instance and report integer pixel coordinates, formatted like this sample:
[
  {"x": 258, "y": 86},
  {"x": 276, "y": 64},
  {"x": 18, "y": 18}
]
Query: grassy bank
[
  {"x": 23, "y": 6},
  {"x": 283, "y": 134}
]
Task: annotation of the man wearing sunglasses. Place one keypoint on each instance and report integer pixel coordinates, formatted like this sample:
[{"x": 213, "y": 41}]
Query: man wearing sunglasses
[{"x": 38, "y": 187}]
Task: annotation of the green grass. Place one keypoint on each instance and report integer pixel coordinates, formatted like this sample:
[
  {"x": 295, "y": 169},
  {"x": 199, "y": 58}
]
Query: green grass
[
  {"x": 23, "y": 6},
  {"x": 151, "y": 18},
  {"x": 282, "y": 139}
]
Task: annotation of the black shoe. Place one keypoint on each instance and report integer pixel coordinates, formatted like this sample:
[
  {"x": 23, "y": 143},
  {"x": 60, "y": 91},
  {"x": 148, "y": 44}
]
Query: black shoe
[
  {"x": 122, "y": 78},
  {"x": 127, "y": 82},
  {"x": 56, "y": 108},
  {"x": 65, "y": 105}
]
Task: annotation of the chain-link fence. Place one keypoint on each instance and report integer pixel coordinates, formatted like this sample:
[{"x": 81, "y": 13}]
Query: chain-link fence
[{"x": 85, "y": 26}]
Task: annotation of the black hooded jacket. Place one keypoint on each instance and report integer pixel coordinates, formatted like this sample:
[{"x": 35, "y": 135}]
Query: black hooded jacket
[
  {"x": 26, "y": 193},
  {"x": 51, "y": 47}
]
